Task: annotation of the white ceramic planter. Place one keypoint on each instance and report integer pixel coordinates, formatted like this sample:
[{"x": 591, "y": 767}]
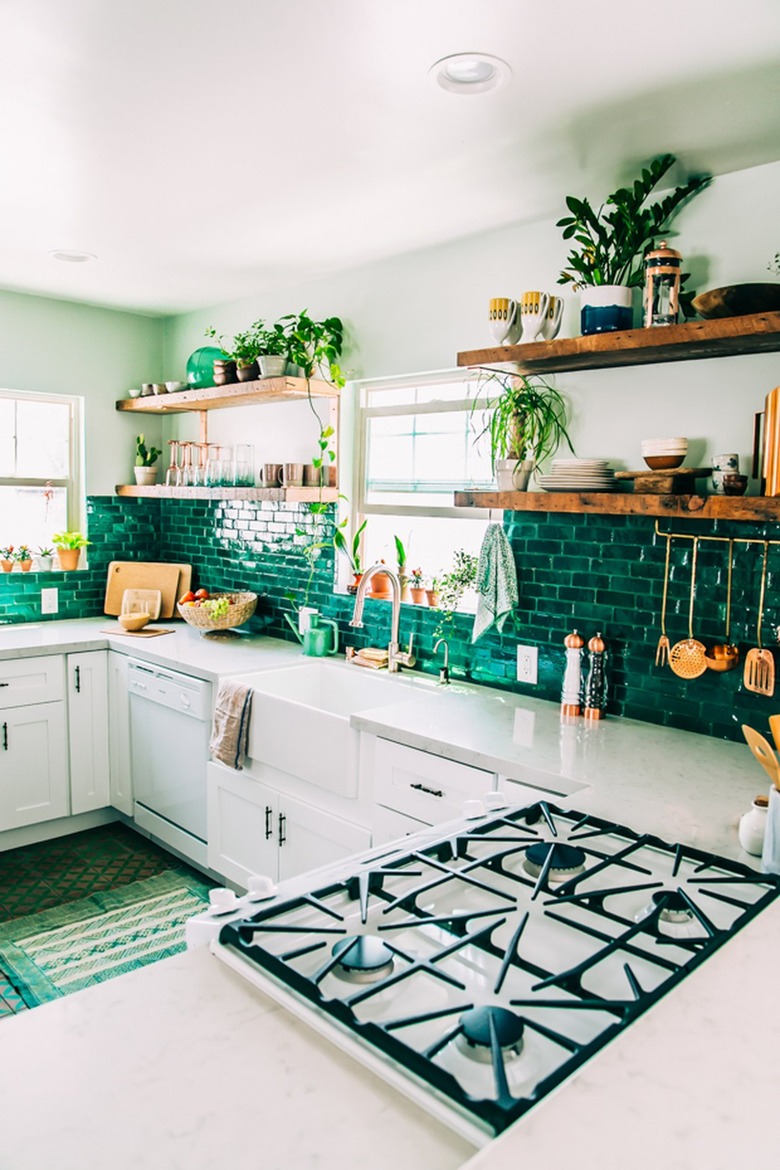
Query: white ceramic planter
[
  {"x": 145, "y": 476},
  {"x": 606, "y": 308},
  {"x": 272, "y": 365},
  {"x": 513, "y": 476}
]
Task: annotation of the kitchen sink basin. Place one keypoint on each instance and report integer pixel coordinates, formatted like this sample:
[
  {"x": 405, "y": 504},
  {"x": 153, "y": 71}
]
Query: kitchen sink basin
[{"x": 300, "y": 717}]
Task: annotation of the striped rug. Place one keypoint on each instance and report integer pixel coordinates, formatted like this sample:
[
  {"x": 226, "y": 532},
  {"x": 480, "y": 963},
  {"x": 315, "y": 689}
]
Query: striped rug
[{"x": 58, "y": 951}]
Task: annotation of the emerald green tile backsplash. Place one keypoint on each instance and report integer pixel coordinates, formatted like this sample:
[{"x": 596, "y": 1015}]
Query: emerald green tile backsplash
[{"x": 593, "y": 573}]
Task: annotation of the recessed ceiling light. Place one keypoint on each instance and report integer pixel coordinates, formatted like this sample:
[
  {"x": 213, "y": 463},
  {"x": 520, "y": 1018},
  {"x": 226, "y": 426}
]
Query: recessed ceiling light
[
  {"x": 470, "y": 73},
  {"x": 69, "y": 256}
]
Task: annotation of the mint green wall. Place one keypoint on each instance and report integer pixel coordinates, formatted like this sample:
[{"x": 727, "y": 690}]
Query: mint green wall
[{"x": 61, "y": 347}]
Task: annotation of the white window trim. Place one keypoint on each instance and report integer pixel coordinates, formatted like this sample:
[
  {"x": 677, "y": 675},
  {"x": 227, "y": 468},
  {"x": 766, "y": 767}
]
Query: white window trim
[{"x": 73, "y": 482}]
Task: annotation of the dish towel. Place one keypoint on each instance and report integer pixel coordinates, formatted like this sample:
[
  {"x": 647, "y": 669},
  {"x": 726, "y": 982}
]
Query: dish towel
[
  {"x": 230, "y": 732},
  {"x": 496, "y": 582}
]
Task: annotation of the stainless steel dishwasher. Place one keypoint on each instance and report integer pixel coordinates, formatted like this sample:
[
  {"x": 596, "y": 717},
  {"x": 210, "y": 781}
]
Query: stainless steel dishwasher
[{"x": 170, "y": 725}]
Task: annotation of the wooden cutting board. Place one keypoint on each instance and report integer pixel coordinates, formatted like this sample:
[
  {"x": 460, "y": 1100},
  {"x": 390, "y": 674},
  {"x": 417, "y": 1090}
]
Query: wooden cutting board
[
  {"x": 677, "y": 481},
  {"x": 171, "y": 579}
]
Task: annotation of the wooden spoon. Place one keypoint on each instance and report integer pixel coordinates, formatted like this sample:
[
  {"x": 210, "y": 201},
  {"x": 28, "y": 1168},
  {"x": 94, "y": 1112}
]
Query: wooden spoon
[
  {"x": 774, "y": 727},
  {"x": 762, "y": 750}
]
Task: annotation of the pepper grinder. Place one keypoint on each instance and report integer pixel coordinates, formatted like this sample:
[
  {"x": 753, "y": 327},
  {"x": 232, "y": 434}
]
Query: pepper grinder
[
  {"x": 595, "y": 693},
  {"x": 572, "y": 676}
]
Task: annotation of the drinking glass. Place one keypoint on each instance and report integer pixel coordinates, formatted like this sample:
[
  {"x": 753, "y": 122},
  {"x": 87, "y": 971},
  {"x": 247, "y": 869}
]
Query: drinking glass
[
  {"x": 173, "y": 474},
  {"x": 187, "y": 477},
  {"x": 213, "y": 472},
  {"x": 244, "y": 465}
]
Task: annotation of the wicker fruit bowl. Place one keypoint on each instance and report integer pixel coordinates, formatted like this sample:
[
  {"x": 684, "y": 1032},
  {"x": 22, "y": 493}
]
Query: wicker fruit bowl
[{"x": 242, "y": 606}]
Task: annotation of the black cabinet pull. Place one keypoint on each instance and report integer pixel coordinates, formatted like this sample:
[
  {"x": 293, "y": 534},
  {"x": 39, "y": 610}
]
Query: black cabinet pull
[
  {"x": 282, "y": 823},
  {"x": 427, "y": 791},
  {"x": 78, "y": 680},
  {"x": 5, "y": 737},
  {"x": 5, "y": 684},
  {"x": 269, "y": 827}
]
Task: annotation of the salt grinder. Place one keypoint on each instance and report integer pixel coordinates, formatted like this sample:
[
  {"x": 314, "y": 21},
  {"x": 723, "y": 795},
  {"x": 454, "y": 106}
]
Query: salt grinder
[
  {"x": 662, "y": 285},
  {"x": 572, "y": 677},
  {"x": 595, "y": 692}
]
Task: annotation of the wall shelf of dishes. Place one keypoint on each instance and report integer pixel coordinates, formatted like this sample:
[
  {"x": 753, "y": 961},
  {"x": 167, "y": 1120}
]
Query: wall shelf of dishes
[
  {"x": 721, "y": 337},
  {"x": 758, "y": 508},
  {"x": 295, "y": 495}
]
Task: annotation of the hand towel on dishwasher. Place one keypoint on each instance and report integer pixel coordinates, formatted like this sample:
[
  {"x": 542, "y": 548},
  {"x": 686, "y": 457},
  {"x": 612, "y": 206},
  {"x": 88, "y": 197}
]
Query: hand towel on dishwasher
[
  {"x": 230, "y": 733},
  {"x": 496, "y": 582}
]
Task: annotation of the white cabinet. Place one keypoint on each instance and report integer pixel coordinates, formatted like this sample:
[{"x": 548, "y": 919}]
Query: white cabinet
[
  {"x": 424, "y": 787},
  {"x": 254, "y": 828},
  {"x": 33, "y": 742},
  {"x": 87, "y": 676},
  {"x": 121, "y": 780}
]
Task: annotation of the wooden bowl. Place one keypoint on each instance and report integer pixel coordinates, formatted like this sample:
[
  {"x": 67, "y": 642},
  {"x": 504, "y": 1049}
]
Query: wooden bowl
[
  {"x": 663, "y": 462},
  {"x": 738, "y": 300},
  {"x": 133, "y": 622}
]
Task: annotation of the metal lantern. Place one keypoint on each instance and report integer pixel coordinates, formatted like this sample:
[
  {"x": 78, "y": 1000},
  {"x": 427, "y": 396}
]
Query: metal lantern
[{"x": 662, "y": 285}]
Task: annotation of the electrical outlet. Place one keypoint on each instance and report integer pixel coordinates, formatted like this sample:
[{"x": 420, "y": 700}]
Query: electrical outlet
[
  {"x": 527, "y": 664},
  {"x": 50, "y": 601}
]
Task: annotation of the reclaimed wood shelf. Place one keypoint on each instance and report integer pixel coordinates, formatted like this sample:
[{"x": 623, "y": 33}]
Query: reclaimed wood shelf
[
  {"x": 691, "y": 507},
  {"x": 264, "y": 390},
  {"x": 723, "y": 337},
  {"x": 294, "y": 495}
]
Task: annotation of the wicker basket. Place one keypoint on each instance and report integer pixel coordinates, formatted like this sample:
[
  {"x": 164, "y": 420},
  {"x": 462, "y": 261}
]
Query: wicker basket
[{"x": 241, "y": 611}]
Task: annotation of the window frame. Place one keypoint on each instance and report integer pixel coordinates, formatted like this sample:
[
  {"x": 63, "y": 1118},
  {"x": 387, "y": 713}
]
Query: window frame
[{"x": 73, "y": 482}]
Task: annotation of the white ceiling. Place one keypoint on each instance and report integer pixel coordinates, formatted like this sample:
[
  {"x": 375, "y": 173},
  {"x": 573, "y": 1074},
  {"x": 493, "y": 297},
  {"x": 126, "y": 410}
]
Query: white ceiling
[{"x": 208, "y": 150}]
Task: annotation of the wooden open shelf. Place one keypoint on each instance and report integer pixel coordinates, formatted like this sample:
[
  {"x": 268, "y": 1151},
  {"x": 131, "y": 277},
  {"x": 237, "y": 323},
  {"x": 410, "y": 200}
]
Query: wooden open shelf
[
  {"x": 264, "y": 390},
  {"x": 627, "y": 504},
  {"x": 727, "y": 336},
  {"x": 294, "y": 495}
]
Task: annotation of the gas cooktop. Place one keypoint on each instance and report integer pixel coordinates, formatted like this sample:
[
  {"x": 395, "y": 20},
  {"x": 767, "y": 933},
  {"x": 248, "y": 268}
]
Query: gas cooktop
[{"x": 480, "y": 970}]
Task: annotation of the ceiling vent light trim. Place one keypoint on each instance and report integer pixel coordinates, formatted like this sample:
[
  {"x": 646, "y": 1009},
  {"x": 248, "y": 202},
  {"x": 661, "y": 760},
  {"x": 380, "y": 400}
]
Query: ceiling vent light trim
[
  {"x": 71, "y": 256},
  {"x": 470, "y": 73}
]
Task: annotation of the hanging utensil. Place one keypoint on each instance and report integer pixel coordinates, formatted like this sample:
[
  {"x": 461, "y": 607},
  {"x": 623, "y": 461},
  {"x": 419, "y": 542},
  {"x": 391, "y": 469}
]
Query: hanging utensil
[
  {"x": 725, "y": 656},
  {"x": 762, "y": 750},
  {"x": 688, "y": 657},
  {"x": 662, "y": 649},
  {"x": 759, "y": 675}
]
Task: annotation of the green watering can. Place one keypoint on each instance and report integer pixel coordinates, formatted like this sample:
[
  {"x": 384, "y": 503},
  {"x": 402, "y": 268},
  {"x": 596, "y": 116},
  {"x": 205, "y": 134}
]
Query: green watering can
[{"x": 321, "y": 638}]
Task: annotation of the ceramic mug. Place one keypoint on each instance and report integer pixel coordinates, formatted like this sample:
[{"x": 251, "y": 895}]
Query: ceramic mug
[
  {"x": 728, "y": 462},
  {"x": 272, "y": 475},
  {"x": 552, "y": 319},
  {"x": 503, "y": 319},
  {"x": 533, "y": 310},
  {"x": 291, "y": 475}
]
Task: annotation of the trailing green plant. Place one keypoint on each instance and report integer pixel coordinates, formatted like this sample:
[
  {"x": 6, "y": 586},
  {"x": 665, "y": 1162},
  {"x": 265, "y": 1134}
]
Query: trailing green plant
[
  {"x": 525, "y": 417},
  {"x": 613, "y": 240},
  {"x": 70, "y": 540},
  {"x": 313, "y": 344},
  {"x": 451, "y": 587},
  {"x": 144, "y": 456}
]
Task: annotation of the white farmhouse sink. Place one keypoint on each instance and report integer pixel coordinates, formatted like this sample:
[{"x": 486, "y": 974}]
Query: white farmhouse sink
[{"x": 300, "y": 718}]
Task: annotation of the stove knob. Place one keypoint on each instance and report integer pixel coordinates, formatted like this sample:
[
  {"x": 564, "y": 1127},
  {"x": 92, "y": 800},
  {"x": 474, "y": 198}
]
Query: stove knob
[
  {"x": 473, "y": 810},
  {"x": 495, "y": 801},
  {"x": 221, "y": 899}
]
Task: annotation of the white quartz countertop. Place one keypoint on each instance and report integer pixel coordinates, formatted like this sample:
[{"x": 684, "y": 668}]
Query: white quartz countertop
[{"x": 183, "y": 1065}]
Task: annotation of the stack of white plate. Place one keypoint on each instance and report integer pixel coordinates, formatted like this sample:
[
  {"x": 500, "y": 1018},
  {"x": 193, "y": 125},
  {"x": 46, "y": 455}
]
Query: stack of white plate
[{"x": 578, "y": 475}]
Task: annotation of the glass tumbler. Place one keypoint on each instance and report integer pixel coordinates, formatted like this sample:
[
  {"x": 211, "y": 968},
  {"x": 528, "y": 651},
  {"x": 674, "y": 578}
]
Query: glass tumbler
[{"x": 244, "y": 465}]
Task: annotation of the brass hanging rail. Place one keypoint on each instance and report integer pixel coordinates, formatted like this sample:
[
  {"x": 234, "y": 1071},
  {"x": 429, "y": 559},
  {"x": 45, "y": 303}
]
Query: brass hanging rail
[{"x": 720, "y": 539}]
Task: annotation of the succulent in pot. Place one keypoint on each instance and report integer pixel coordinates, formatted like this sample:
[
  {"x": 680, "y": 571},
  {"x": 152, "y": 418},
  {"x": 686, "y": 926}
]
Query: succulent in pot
[
  {"x": 45, "y": 558},
  {"x": 69, "y": 546},
  {"x": 613, "y": 240},
  {"x": 24, "y": 558},
  {"x": 145, "y": 458}
]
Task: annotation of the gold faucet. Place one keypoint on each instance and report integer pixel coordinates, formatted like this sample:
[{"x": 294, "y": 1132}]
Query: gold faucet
[{"x": 396, "y": 658}]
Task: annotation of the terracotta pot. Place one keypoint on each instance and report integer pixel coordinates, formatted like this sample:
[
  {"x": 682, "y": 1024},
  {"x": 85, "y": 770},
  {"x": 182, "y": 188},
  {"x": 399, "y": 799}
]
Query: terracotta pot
[
  {"x": 380, "y": 586},
  {"x": 353, "y": 588},
  {"x": 7, "y": 566},
  {"x": 247, "y": 373},
  {"x": 68, "y": 558},
  {"x": 418, "y": 596},
  {"x": 433, "y": 598},
  {"x": 25, "y": 566}
]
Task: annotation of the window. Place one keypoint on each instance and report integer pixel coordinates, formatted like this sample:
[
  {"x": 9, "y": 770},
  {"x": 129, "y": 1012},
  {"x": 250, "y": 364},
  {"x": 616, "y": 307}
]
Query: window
[
  {"x": 418, "y": 442},
  {"x": 39, "y": 462}
]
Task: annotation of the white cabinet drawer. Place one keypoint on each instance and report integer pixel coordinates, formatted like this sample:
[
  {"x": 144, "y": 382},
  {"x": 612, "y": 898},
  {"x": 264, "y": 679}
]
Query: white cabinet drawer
[
  {"x": 393, "y": 826},
  {"x": 32, "y": 680},
  {"x": 423, "y": 786}
]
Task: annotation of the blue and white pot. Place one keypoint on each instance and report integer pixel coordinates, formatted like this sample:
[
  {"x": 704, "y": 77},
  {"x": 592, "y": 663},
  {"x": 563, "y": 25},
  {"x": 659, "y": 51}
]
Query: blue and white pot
[{"x": 605, "y": 308}]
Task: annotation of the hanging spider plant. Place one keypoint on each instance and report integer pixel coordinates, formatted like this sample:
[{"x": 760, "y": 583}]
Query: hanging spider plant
[{"x": 525, "y": 417}]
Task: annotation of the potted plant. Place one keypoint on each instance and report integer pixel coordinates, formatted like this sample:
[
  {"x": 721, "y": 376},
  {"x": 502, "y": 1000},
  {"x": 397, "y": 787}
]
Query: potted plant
[
  {"x": 350, "y": 550},
  {"x": 45, "y": 558},
  {"x": 526, "y": 424},
  {"x": 432, "y": 593},
  {"x": 612, "y": 242},
  {"x": 239, "y": 356},
  {"x": 403, "y": 576},
  {"x": 7, "y": 558},
  {"x": 315, "y": 346},
  {"x": 417, "y": 586},
  {"x": 69, "y": 546},
  {"x": 24, "y": 558},
  {"x": 273, "y": 353},
  {"x": 145, "y": 458},
  {"x": 380, "y": 585}
]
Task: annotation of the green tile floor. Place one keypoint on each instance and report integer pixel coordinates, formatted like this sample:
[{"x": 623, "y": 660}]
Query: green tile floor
[{"x": 53, "y": 873}]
